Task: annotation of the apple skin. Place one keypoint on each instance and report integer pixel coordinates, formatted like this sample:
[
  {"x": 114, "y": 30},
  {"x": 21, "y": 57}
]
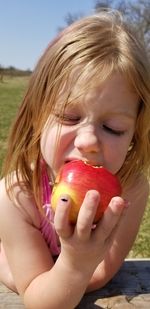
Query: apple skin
[{"x": 76, "y": 177}]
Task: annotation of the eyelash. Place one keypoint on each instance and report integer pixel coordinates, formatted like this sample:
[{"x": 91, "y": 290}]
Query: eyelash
[
  {"x": 67, "y": 119},
  {"x": 112, "y": 131}
]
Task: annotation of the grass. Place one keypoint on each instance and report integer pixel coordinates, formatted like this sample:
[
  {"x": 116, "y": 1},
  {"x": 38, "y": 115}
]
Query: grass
[
  {"x": 141, "y": 247},
  {"x": 11, "y": 93}
]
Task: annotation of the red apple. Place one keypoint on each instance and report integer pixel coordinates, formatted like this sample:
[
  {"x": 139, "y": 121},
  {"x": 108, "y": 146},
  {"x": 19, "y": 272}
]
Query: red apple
[{"x": 75, "y": 178}]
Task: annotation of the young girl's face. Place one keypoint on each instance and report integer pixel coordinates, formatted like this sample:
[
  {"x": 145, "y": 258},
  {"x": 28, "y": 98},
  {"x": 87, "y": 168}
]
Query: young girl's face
[{"x": 98, "y": 128}]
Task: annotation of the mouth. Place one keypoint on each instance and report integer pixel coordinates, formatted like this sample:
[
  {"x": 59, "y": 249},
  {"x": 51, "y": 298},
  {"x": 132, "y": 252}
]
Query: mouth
[
  {"x": 71, "y": 160},
  {"x": 88, "y": 162}
]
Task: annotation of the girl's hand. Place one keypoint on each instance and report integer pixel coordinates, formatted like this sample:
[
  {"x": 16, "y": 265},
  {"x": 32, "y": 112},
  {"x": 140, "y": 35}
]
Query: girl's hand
[{"x": 83, "y": 246}]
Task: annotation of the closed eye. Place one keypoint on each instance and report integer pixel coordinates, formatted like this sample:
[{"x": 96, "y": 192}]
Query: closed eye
[
  {"x": 68, "y": 119},
  {"x": 112, "y": 131}
]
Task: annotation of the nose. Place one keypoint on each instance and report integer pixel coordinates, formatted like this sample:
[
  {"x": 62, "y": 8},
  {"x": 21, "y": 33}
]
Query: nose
[{"x": 87, "y": 140}]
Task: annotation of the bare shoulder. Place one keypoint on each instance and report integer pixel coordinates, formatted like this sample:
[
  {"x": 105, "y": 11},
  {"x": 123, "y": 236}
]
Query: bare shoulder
[
  {"x": 137, "y": 194},
  {"x": 124, "y": 234},
  {"x": 22, "y": 202},
  {"x": 22, "y": 239}
]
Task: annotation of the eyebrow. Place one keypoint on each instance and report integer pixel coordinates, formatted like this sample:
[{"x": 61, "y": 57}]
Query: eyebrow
[
  {"x": 63, "y": 105},
  {"x": 76, "y": 101},
  {"x": 125, "y": 114}
]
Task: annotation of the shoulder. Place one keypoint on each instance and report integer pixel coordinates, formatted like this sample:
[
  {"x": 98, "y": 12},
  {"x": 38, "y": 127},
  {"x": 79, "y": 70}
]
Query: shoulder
[
  {"x": 125, "y": 232},
  {"x": 137, "y": 196},
  {"x": 22, "y": 202},
  {"x": 137, "y": 193}
]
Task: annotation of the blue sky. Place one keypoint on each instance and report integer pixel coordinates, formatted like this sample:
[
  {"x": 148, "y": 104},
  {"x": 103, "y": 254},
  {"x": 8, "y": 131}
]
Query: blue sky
[{"x": 26, "y": 27}]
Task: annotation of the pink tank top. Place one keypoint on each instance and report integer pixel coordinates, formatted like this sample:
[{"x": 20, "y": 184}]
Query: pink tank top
[{"x": 47, "y": 221}]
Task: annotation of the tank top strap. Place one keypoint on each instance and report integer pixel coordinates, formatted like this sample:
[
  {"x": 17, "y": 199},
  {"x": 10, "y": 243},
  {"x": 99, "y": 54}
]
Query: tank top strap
[
  {"x": 45, "y": 183},
  {"x": 47, "y": 222}
]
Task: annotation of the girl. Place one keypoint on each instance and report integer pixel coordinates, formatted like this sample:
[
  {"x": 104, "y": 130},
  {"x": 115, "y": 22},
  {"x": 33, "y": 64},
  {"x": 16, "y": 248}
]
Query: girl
[{"x": 88, "y": 99}]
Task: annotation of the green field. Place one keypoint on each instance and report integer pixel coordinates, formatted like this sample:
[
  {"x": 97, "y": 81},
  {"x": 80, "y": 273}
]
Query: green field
[{"x": 11, "y": 92}]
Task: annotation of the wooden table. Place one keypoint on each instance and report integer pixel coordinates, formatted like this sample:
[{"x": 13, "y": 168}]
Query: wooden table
[{"x": 129, "y": 289}]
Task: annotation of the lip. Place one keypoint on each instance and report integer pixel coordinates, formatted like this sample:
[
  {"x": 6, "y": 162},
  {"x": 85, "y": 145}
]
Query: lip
[
  {"x": 72, "y": 159},
  {"x": 89, "y": 162}
]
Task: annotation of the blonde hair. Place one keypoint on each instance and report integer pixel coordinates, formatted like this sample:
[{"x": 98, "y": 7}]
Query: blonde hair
[{"x": 99, "y": 44}]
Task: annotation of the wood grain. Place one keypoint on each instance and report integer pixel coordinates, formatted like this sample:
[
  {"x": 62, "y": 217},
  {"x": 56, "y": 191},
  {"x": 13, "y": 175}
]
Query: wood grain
[{"x": 129, "y": 289}]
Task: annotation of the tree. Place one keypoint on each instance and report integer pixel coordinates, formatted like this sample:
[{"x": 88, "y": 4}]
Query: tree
[
  {"x": 70, "y": 18},
  {"x": 136, "y": 12}
]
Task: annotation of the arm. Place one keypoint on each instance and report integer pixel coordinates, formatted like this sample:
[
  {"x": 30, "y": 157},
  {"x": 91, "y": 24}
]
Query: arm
[
  {"x": 42, "y": 283},
  {"x": 123, "y": 236}
]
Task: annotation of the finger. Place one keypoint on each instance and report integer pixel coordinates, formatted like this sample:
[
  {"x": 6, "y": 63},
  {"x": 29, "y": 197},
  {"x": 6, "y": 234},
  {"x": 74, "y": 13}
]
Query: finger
[
  {"x": 61, "y": 218},
  {"x": 86, "y": 214},
  {"x": 110, "y": 218}
]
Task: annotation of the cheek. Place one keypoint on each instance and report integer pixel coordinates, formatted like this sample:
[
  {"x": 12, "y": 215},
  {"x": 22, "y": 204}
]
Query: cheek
[
  {"x": 48, "y": 145},
  {"x": 114, "y": 161},
  {"x": 115, "y": 156},
  {"x": 54, "y": 144}
]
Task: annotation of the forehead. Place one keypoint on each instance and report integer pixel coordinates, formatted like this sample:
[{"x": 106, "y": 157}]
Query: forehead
[
  {"x": 80, "y": 86},
  {"x": 78, "y": 82}
]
